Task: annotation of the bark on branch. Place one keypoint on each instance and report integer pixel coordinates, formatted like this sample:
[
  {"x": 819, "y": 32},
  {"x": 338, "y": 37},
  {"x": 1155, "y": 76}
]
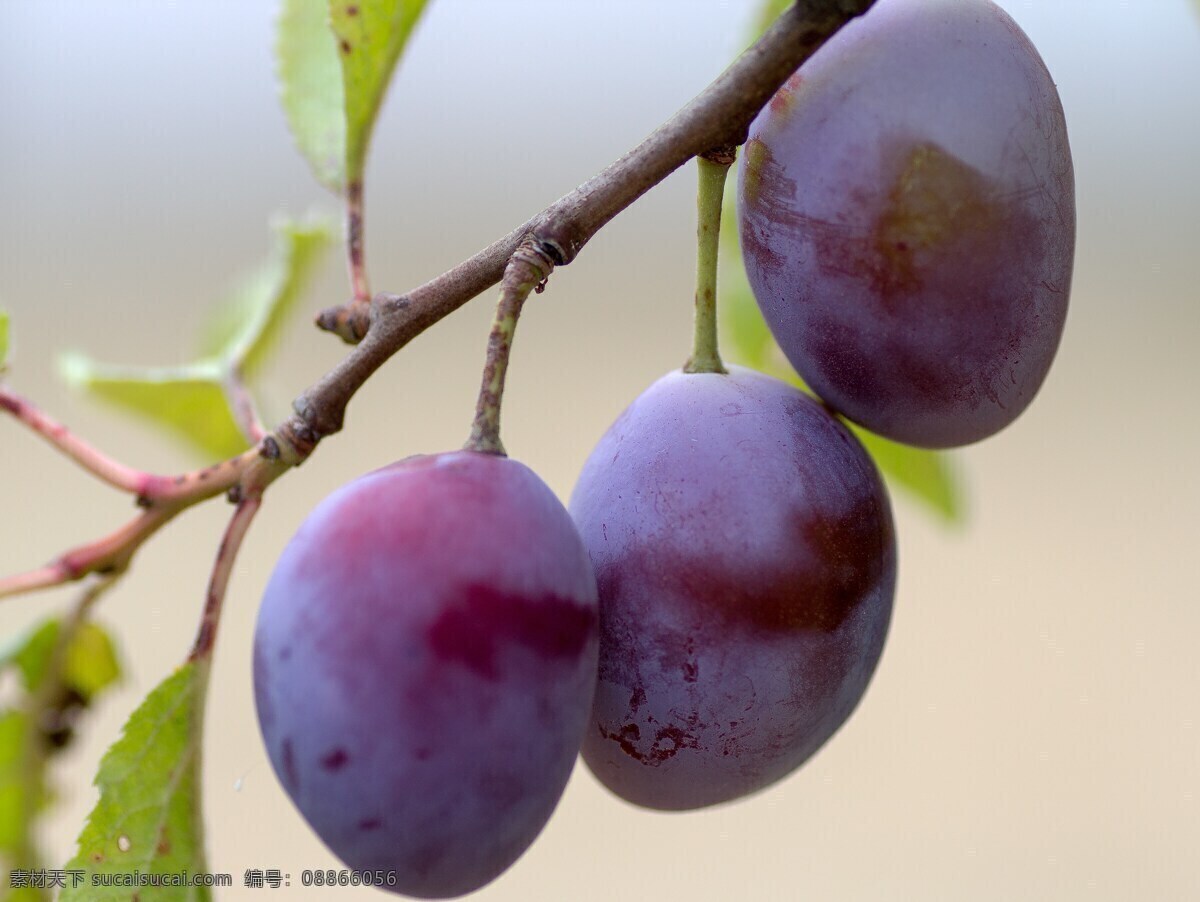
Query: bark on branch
[
  {"x": 717, "y": 118},
  {"x": 719, "y": 115}
]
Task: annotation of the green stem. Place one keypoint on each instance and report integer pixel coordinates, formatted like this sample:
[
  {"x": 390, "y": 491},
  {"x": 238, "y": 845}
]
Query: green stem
[
  {"x": 527, "y": 269},
  {"x": 712, "y": 168}
]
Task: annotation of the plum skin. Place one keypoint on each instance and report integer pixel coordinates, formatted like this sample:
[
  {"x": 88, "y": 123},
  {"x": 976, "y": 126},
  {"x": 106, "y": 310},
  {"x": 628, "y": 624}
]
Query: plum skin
[
  {"x": 907, "y": 212},
  {"x": 745, "y": 555},
  {"x": 424, "y": 661}
]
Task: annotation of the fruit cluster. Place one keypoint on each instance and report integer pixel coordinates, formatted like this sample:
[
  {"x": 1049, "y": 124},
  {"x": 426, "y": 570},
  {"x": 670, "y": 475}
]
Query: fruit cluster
[{"x": 442, "y": 638}]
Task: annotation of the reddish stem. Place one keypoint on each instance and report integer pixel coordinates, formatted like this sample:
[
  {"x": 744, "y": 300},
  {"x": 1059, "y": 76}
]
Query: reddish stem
[
  {"x": 354, "y": 243},
  {"x": 721, "y": 114},
  {"x": 218, "y": 581},
  {"x": 147, "y": 487},
  {"x": 94, "y": 461},
  {"x": 108, "y": 555},
  {"x": 245, "y": 411}
]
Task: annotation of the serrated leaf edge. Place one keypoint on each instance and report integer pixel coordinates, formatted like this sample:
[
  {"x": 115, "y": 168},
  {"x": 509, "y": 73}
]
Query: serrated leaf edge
[{"x": 195, "y": 695}]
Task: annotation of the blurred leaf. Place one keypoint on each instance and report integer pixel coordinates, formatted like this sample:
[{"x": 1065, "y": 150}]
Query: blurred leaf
[
  {"x": 371, "y": 35},
  {"x": 926, "y": 475},
  {"x": 91, "y": 664},
  {"x": 742, "y": 322},
  {"x": 768, "y": 12},
  {"x": 32, "y": 656},
  {"x": 3, "y": 338},
  {"x": 25, "y": 894},
  {"x": 311, "y": 91},
  {"x": 190, "y": 399},
  {"x": 247, "y": 326},
  {"x": 147, "y": 820},
  {"x": 22, "y": 787},
  {"x": 15, "y": 791}
]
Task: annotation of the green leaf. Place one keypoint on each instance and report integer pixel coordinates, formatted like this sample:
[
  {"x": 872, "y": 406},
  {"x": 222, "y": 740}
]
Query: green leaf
[
  {"x": 188, "y": 400},
  {"x": 310, "y": 79},
  {"x": 23, "y": 795},
  {"x": 191, "y": 400},
  {"x": 147, "y": 820},
  {"x": 32, "y": 656},
  {"x": 15, "y": 803},
  {"x": 88, "y": 666},
  {"x": 335, "y": 62},
  {"x": 925, "y": 475},
  {"x": 25, "y": 894},
  {"x": 371, "y": 35},
  {"x": 744, "y": 326},
  {"x": 3, "y": 338},
  {"x": 247, "y": 325},
  {"x": 91, "y": 665}
]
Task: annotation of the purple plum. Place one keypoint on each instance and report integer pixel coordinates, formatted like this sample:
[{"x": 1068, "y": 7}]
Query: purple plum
[
  {"x": 745, "y": 556},
  {"x": 907, "y": 213},
  {"x": 424, "y": 662}
]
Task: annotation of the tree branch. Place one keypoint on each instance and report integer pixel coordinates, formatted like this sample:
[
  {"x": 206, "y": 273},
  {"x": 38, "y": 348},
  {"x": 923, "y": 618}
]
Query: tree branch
[
  {"x": 162, "y": 499},
  {"x": 150, "y": 489},
  {"x": 109, "y": 555},
  {"x": 94, "y": 461},
  {"x": 719, "y": 115}
]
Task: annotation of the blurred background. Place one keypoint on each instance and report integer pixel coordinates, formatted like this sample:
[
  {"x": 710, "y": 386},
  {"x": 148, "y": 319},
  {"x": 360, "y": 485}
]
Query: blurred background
[{"x": 1033, "y": 730}]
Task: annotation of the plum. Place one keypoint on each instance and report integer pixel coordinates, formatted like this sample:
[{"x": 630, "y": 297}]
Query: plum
[
  {"x": 745, "y": 557},
  {"x": 907, "y": 213},
  {"x": 424, "y": 662}
]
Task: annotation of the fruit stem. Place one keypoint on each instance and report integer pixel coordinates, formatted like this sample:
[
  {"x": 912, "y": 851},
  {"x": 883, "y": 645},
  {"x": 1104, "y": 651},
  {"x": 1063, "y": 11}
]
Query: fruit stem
[
  {"x": 351, "y": 320},
  {"x": 526, "y": 272},
  {"x": 218, "y": 582},
  {"x": 712, "y": 168},
  {"x": 354, "y": 243},
  {"x": 242, "y": 405}
]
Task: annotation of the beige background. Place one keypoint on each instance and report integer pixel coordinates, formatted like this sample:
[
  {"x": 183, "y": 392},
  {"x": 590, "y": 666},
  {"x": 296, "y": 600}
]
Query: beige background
[{"x": 1032, "y": 732}]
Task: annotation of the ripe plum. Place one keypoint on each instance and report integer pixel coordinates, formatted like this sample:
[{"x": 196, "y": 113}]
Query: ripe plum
[
  {"x": 907, "y": 213},
  {"x": 424, "y": 662},
  {"x": 745, "y": 557}
]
